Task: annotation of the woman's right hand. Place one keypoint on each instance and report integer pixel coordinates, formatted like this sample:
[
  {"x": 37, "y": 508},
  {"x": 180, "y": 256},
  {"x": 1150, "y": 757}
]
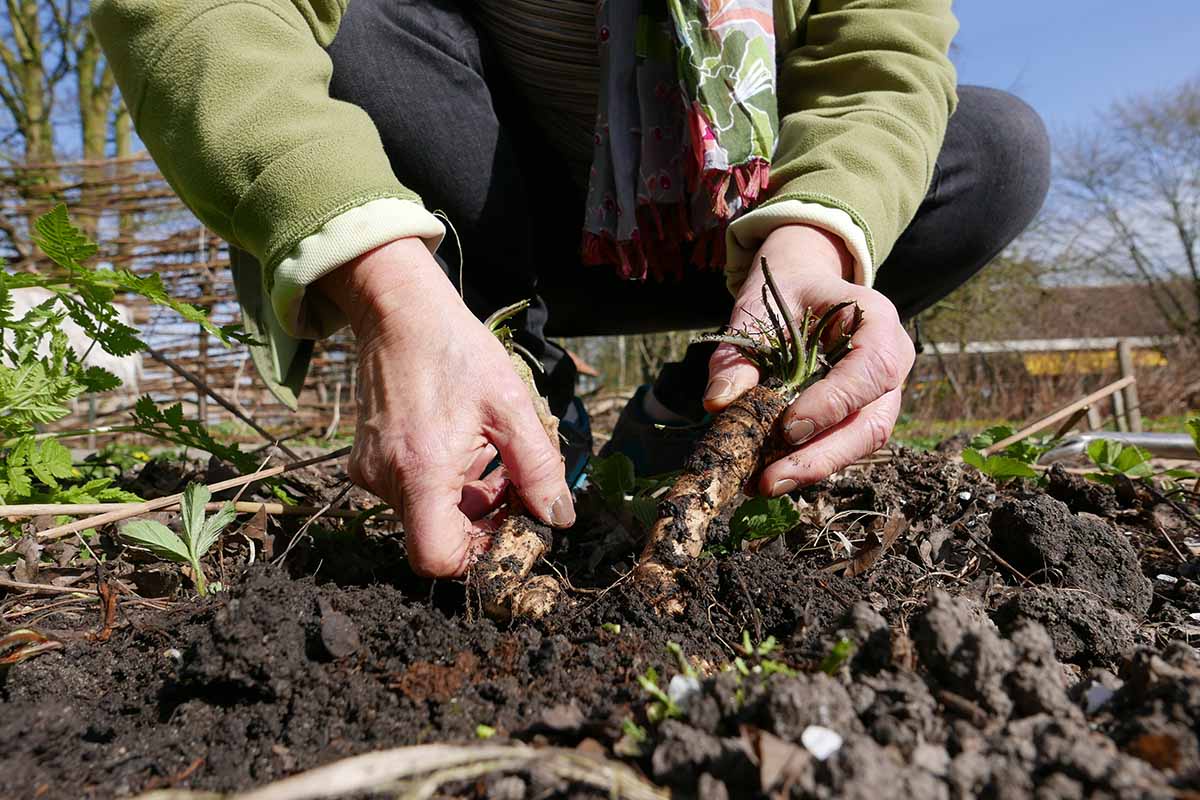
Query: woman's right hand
[{"x": 437, "y": 399}]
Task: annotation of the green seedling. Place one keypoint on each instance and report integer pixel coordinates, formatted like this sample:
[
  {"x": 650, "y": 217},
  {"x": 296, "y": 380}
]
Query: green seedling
[
  {"x": 484, "y": 731},
  {"x": 622, "y": 491},
  {"x": 1014, "y": 461},
  {"x": 664, "y": 706},
  {"x": 838, "y": 656},
  {"x": 634, "y": 731},
  {"x": 200, "y": 533},
  {"x": 758, "y": 653},
  {"x": 633, "y": 739},
  {"x": 1114, "y": 459},
  {"x": 612, "y": 628},
  {"x": 759, "y": 518}
]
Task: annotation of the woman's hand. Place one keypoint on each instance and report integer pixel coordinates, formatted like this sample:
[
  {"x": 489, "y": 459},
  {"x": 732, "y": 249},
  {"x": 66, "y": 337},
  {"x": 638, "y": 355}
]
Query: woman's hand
[
  {"x": 852, "y": 411},
  {"x": 437, "y": 398}
]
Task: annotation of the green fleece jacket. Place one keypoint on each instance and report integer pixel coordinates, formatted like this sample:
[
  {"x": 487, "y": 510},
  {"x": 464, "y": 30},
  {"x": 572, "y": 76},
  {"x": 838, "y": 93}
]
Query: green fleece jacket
[{"x": 231, "y": 99}]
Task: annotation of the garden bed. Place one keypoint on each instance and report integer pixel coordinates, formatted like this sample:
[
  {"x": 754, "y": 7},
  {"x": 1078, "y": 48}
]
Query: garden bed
[{"x": 995, "y": 642}]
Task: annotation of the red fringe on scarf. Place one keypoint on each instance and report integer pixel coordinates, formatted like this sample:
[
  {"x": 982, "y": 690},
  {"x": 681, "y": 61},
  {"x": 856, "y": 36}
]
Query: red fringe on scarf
[{"x": 663, "y": 232}]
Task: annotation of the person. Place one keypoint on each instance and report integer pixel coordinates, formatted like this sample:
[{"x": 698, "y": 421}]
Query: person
[{"x": 827, "y": 137}]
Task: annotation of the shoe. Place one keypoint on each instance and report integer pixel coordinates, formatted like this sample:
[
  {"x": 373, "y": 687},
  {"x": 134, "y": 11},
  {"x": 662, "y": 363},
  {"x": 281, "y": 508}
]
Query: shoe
[
  {"x": 575, "y": 441},
  {"x": 653, "y": 448}
]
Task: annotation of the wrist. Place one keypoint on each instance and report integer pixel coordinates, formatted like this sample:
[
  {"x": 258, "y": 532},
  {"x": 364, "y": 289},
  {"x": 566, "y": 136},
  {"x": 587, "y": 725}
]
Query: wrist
[
  {"x": 817, "y": 249},
  {"x": 380, "y": 282}
]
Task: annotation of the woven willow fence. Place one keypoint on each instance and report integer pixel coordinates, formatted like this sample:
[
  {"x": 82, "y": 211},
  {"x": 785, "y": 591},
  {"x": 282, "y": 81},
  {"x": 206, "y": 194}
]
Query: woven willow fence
[{"x": 139, "y": 222}]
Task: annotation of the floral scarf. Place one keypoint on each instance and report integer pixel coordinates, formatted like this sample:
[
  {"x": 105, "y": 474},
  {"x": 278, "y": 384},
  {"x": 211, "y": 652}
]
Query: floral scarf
[{"x": 685, "y": 130}]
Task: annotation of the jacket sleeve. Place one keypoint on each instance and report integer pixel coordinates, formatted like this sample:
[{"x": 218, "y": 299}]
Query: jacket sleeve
[
  {"x": 865, "y": 92},
  {"x": 231, "y": 99}
]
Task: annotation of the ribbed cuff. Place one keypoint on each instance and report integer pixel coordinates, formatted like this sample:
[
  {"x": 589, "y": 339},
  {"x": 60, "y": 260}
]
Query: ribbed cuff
[
  {"x": 310, "y": 315},
  {"x": 746, "y": 234}
]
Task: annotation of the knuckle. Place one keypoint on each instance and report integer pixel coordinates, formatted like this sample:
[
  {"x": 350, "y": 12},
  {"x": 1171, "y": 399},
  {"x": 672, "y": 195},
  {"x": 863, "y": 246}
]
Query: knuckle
[
  {"x": 878, "y": 432},
  {"x": 542, "y": 465},
  {"x": 839, "y": 403},
  {"x": 886, "y": 367}
]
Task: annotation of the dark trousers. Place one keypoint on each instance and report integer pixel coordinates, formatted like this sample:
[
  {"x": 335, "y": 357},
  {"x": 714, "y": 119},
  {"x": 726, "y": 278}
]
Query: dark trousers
[{"x": 456, "y": 133}]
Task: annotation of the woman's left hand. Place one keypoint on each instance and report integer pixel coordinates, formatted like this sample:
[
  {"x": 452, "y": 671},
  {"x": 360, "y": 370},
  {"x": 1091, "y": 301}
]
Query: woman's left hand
[{"x": 852, "y": 411}]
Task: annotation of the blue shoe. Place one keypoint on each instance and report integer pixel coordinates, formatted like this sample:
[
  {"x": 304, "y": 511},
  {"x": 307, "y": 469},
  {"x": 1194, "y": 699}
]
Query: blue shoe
[
  {"x": 653, "y": 448},
  {"x": 575, "y": 440}
]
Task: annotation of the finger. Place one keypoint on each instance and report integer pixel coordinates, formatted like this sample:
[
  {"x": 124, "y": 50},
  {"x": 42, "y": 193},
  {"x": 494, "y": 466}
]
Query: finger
[
  {"x": 861, "y": 434},
  {"x": 481, "y": 497},
  {"x": 534, "y": 464},
  {"x": 730, "y": 375},
  {"x": 440, "y": 539},
  {"x": 881, "y": 358},
  {"x": 480, "y": 462}
]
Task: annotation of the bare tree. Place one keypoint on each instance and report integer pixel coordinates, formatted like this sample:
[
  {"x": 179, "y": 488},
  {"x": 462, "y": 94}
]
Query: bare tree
[
  {"x": 34, "y": 60},
  {"x": 1129, "y": 194}
]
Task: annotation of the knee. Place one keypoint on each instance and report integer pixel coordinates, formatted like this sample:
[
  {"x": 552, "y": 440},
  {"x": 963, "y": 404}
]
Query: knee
[{"x": 1013, "y": 148}]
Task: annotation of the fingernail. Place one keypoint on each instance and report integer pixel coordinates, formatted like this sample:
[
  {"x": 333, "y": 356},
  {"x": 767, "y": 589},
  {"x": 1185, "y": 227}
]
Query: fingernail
[
  {"x": 718, "y": 389},
  {"x": 562, "y": 513},
  {"x": 799, "y": 431},
  {"x": 783, "y": 487}
]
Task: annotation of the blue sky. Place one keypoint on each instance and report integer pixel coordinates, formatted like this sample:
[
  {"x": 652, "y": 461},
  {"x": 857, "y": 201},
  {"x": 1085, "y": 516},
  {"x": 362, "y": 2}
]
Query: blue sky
[{"x": 1070, "y": 59}]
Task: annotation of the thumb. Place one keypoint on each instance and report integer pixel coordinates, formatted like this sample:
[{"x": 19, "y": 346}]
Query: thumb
[
  {"x": 535, "y": 465},
  {"x": 730, "y": 375}
]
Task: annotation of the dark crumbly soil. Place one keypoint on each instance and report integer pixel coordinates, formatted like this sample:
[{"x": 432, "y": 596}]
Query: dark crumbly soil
[{"x": 1065, "y": 672}]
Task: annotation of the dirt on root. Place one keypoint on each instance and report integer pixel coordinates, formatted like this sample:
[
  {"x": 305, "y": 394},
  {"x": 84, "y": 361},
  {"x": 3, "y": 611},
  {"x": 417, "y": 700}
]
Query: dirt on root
[{"x": 1008, "y": 644}]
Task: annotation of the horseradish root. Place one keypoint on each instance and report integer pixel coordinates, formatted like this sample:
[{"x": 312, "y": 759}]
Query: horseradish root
[
  {"x": 790, "y": 358},
  {"x": 500, "y": 576}
]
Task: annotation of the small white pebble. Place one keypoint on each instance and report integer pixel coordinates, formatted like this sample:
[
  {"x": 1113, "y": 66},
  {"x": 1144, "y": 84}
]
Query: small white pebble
[
  {"x": 1195, "y": 616},
  {"x": 1167, "y": 578},
  {"x": 821, "y": 741},
  {"x": 991, "y": 498},
  {"x": 964, "y": 496},
  {"x": 1097, "y": 696},
  {"x": 682, "y": 689},
  {"x": 174, "y": 654}
]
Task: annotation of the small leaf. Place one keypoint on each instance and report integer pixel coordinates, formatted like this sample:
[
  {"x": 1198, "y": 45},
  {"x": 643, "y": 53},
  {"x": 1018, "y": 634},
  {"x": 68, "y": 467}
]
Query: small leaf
[
  {"x": 645, "y": 511},
  {"x": 1193, "y": 427},
  {"x": 62, "y": 242},
  {"x": 157, "y": 538},
  {"x": 1004, "y": 467},
  {"x": 992, "y": 435},
  {"x": 974, "y": 457},
  {"x": 194, "y": 498},
  {"x": 838, "y": 655},
  {"x": 613, "y": 476},
  {"x": 213, "y": 527},
  {"x": 763, "y": 518},
  {"x": 998, "y": 467}
]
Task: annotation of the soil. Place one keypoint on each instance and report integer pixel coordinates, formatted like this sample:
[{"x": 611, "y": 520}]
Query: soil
[{"x": 1006, "y": 644}]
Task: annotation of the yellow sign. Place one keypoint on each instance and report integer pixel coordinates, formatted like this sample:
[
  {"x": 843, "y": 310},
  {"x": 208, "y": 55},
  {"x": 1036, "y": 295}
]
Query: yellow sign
[{"x": 1085, "y": 362}]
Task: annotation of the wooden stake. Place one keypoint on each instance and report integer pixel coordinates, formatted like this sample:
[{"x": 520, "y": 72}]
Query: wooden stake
[
  {"x": 1063, "y": 413},
  {"x": 1133, "y": 407}
]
